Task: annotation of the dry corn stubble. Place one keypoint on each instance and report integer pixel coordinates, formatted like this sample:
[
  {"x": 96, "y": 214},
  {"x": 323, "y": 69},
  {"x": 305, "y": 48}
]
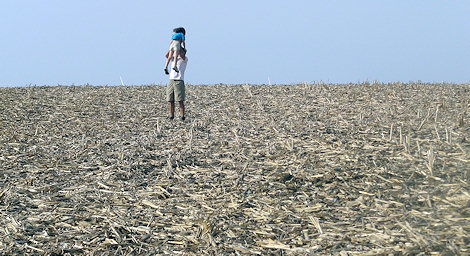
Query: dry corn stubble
[{"x": 255, "y": 169}]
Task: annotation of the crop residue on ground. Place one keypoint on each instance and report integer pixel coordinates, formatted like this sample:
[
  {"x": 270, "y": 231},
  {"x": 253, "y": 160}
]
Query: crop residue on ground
[{"x": 255, "y": 169}]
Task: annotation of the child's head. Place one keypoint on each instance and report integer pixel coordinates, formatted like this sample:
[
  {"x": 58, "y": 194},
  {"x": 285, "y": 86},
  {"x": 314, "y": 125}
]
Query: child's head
[{"x": 180, "y": 30}]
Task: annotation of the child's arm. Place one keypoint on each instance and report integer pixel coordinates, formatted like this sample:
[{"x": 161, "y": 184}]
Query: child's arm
[{"x": 184, "y": 44}]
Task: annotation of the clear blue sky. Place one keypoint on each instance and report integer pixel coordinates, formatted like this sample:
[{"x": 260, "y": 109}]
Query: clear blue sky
[{"x": 54, "y": 42}]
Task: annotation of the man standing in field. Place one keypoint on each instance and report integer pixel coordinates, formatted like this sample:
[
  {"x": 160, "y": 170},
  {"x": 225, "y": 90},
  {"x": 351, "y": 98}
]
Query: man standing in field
[{"x": 175, "y": 89}]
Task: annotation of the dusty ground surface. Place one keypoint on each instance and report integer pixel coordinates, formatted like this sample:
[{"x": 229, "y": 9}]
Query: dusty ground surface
[{"x": 284, "y": 170}]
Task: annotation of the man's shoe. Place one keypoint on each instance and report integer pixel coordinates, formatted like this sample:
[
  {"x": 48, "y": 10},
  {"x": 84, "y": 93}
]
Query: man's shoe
[
  {"x": 176, "y": 69},
  {"x": 170, "y": 117},
  {"x": 183, "y": 118},
  {"x": 166, "y": 71}
]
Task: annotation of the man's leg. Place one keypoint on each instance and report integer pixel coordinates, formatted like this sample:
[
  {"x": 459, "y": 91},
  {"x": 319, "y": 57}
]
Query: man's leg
[
  {"x": 172, "y": 109},
  {"x": 182, "y": 109}
]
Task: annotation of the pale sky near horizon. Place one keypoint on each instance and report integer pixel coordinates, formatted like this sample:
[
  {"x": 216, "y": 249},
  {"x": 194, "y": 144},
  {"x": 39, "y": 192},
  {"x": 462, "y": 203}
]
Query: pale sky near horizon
[{"x": 53, "y": 42}]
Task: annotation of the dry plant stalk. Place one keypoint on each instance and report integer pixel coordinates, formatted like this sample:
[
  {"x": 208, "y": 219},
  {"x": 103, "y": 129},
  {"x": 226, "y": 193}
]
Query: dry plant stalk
[
  {"x": 401, "y": 136},
  {"x": 424, "y": 119},
  {"x": 431, "y": 158},
  {"x": 437, "y": 133},
  {"x": 247, "y": 89}
]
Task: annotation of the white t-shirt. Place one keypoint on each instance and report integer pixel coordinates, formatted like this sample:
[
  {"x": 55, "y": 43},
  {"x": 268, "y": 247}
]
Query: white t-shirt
[{"x": 181, "y": 64}]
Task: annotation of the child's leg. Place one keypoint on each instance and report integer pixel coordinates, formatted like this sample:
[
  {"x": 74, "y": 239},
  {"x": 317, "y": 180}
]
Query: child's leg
[
  {"x": 170, "y": 55},
  {"x": 175, "y": 57},
  {"x": 175, "y": 61}
]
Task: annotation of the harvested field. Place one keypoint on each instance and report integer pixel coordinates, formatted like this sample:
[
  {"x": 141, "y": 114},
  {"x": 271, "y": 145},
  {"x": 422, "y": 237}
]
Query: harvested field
[{"x": 352, "y": 169}]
